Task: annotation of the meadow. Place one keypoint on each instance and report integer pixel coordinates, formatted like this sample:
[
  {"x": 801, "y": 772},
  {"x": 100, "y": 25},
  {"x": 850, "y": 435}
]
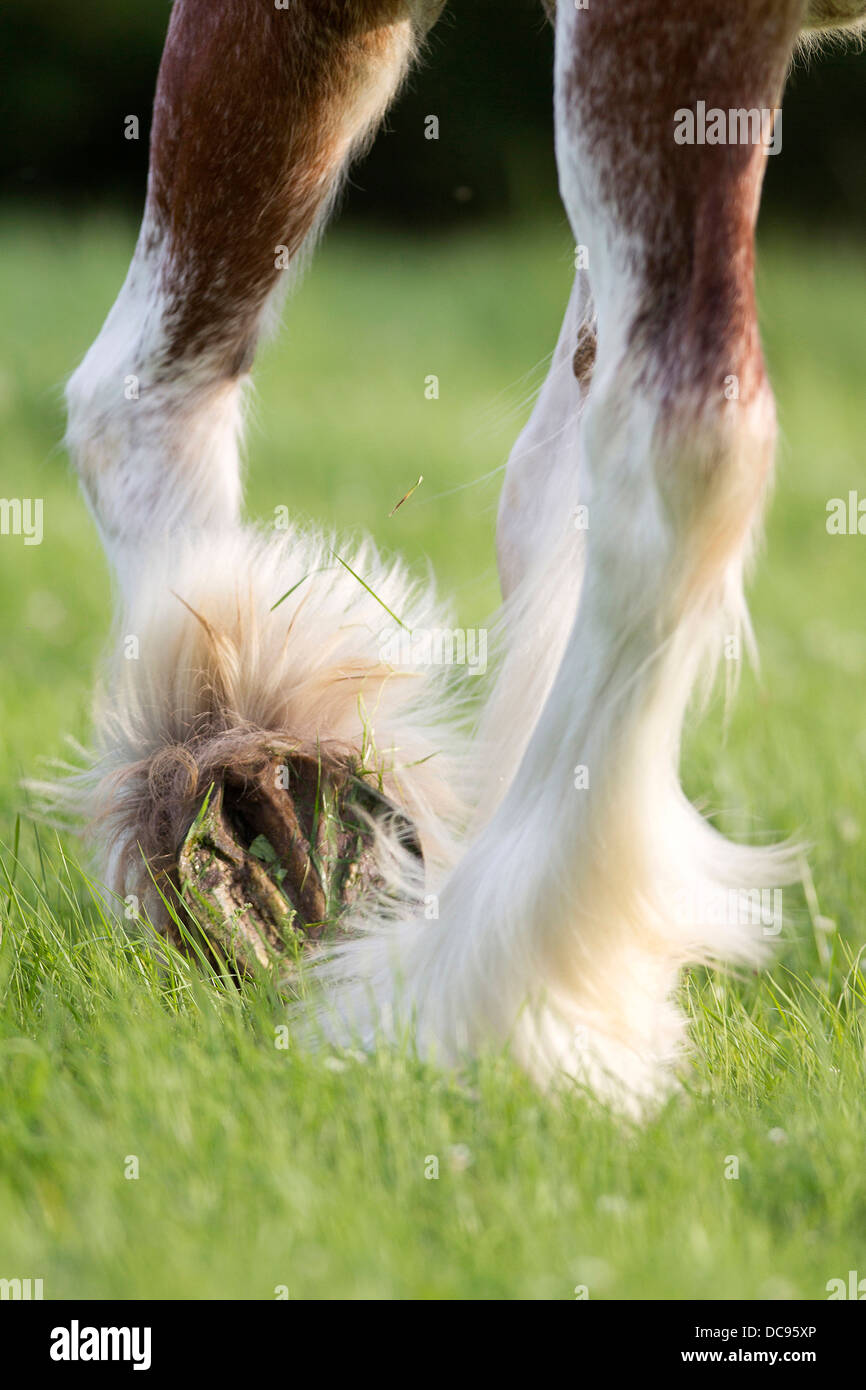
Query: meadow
[{"x": 154, "y": 1142}]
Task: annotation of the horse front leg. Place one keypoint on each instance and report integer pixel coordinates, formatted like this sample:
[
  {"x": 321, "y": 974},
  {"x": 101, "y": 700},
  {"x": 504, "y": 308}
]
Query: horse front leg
[{"x": 249, "y": 709}]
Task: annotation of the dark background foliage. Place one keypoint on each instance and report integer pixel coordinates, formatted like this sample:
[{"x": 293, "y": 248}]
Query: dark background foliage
[{"x": 75, "y": 71}]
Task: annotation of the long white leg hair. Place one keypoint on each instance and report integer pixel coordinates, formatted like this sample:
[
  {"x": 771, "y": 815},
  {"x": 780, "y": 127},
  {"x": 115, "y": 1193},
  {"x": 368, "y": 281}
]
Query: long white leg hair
[
  {"x": 237, "y": 648},
  {"x": 576, "y": 902}
]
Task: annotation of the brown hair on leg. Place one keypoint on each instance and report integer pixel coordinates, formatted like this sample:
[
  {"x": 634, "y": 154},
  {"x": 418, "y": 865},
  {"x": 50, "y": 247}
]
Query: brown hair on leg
[{"x": 257, "y": 111}]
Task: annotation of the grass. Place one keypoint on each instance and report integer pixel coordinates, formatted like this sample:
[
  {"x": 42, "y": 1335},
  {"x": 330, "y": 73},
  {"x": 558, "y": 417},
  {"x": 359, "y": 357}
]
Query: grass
[{"x": 261, "y": 1168}]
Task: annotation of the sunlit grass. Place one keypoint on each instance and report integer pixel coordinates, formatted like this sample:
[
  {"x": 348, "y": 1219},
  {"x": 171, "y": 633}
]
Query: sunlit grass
[{"x": 261, "y": 1167}]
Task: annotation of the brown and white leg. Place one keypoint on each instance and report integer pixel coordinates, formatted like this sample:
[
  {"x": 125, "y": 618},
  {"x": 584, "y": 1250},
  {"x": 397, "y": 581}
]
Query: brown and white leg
[
  {"x": 250, "y": 666},
  {"x": 565, "y": 923},
  {"x": 258, "y": 110}
]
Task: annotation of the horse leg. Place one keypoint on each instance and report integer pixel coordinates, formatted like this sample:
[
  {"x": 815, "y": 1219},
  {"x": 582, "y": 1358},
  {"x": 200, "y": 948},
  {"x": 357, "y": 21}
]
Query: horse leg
[
  {"x": 258, "y": 110},
  {"x": 566, "y": 921},
  {"x": 249, "y": 698}
]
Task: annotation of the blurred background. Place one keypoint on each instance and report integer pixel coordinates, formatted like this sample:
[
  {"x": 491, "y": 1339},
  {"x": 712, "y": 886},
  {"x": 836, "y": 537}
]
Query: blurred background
[{"x": 74, "y": 72}]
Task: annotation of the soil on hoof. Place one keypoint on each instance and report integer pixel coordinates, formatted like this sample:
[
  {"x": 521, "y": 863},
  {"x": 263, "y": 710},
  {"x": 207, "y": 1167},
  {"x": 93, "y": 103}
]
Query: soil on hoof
[{"x": 271, "y": 862}]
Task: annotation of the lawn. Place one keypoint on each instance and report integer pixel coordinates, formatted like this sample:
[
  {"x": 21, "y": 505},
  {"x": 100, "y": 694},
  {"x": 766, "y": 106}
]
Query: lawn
[{"x": 154, "y": 1139}]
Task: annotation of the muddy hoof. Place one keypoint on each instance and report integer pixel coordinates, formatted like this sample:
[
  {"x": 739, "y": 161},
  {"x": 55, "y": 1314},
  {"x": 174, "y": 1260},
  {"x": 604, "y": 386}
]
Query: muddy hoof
[{"x": 271, "y": 863}]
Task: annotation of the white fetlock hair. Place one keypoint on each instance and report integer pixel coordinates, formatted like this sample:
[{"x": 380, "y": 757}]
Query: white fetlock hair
[
  {"x": 247, "y": 640},
  {"x": 238, "y": 643},
  {"x": 564, "y": 927},
  {"x": 576, "y": 972}
]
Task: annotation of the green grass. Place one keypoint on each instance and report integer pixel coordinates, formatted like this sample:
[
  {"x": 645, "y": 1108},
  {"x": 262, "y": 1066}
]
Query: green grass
[{"x": 262, "y": 1167}]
